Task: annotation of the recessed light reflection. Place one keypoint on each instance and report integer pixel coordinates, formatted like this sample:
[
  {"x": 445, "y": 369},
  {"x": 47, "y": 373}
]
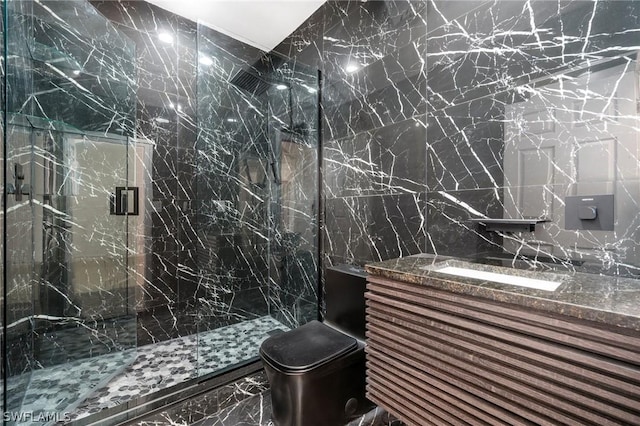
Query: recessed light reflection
[
  {"x": 232, "y": 120},
  {"x": 205, "y": 60},
  {"x": 76, "y": 72},
  {"x": 161, "y": 120},
  {"x": 282, "y": 87},
  {"x": 165, "y": 37},
  {"x": 350, "y": 68}
]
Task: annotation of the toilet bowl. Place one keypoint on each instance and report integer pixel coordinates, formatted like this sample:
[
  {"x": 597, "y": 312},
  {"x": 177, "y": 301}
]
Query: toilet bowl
[{"x": 316, "y": 372}]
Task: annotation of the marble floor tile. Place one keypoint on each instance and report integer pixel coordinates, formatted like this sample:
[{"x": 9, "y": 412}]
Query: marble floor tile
[
  {"x": 256, "y": 411},
  {"x": 160, "y": 365},
  {"x": 246, "y": 402},
  {"x": 208, "y": 404},
  {"x": 89, "y": 385}
]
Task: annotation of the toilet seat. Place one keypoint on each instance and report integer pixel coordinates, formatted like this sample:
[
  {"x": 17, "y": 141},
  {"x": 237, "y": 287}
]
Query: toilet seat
[{"x": 306, "y": 347}]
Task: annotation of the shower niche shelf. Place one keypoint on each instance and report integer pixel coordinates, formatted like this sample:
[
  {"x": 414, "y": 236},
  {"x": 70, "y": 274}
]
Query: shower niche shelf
[{"x": 509, "y": 225}]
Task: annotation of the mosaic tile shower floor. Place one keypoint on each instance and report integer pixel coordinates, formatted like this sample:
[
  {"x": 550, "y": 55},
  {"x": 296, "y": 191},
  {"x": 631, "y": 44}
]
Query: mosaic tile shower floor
[{"x": 131, "y": 374}]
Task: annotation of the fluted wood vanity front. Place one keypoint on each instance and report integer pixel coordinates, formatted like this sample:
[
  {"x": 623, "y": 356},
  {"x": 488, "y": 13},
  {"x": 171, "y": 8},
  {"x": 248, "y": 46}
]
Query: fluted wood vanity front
[{"x": 443, "y": 350}]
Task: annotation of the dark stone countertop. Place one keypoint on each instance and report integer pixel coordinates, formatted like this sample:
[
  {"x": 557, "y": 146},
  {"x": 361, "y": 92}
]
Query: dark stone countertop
[{"x": 611, "y": 300}]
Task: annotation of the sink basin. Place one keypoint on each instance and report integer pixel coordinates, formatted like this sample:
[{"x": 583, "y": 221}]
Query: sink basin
[{"x": 529, "y": 279}]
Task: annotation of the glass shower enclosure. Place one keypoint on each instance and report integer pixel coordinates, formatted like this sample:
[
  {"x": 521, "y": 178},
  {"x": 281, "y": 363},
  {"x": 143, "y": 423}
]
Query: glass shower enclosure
[
  {"x": 70, "y": 214},
  {"x": 90, "y": 241},
  {"x": 257, "y": 194}
]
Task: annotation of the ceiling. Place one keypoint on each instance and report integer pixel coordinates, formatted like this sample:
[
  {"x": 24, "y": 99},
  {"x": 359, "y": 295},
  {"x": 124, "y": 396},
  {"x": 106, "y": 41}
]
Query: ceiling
[{"x": 260, "y": 23}]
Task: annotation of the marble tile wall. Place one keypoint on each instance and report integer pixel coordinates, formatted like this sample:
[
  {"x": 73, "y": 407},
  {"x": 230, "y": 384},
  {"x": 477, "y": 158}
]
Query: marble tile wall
[
  {"x": 293, "y": 121},
  {"x": 166, "y": 125},
  {"x": 232, "y": 212},
  {"x": 426, "y": 133},
  {"x": 434, "y": 112},
  {"x": 525, "y": 100},
  {"x": 374, "y": 128},
  {"x": 53, "y": 101},
  {"x": 213, "y": 230},
  {"x": 117, "y": 93}
]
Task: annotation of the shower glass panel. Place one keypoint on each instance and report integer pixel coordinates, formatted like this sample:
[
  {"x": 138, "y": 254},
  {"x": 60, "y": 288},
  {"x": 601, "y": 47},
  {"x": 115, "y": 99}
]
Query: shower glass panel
[
  {"x": 70, "y": 182},
  {"x": 256, "y": 198},
  {"x": 20, "y": 272},
  {"x": 2, "y": 227},
  {"x": 81, "y": 256},
  {"x": 292, "y": 127},
  {"x": 233, "y": 211}
]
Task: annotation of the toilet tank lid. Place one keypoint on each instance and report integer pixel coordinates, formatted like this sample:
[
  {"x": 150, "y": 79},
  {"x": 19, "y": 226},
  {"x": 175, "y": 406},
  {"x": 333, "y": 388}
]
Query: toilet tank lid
[{"x": 306, "y": 347}]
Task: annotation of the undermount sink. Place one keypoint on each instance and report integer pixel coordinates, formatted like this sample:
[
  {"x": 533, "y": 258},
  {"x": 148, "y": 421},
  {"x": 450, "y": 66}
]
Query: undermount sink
[{"x": 530, "y": 279}]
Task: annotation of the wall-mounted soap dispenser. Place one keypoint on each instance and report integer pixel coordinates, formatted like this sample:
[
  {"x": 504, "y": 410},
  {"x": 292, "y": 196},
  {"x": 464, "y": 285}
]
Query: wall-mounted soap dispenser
[{"x": 589, "y": 212}]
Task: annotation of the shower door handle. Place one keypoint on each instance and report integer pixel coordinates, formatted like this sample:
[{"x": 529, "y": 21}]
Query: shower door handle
[
  {"x": 125, "y": 201},
  {"x": 17, "y": 188}
]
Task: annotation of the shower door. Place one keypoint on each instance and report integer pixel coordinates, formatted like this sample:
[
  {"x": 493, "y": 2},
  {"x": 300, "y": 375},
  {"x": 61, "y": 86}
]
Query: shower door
[
  {"x": 70, "y": 188},
  {"x": 257, "y": 200},
  {"x": 72, "y": 288}
]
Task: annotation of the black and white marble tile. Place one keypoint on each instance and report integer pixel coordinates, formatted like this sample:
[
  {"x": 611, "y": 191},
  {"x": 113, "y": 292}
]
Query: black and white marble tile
[
  {"x": 200, "y": 407},
  {"x": 108, "y": 94},
  {"x": 433, "y": 113},
  {"x": 256, "y": 411},
  {"x": 489, "y": 81},
  {"x": 138, "y": 373},
  {"x": 244, "y": 402},
  {"x": 524, "y": 99}
]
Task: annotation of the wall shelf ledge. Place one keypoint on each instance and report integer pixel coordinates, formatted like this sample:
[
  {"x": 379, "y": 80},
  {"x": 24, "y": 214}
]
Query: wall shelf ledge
[{"x": 509, "y": 225}]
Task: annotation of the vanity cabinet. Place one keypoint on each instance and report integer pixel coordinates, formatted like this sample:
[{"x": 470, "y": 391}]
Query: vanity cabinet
[{"x": 436, "y": 356}]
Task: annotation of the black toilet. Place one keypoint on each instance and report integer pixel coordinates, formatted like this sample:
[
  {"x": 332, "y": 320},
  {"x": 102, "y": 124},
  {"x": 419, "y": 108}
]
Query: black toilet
[{"x": 317, "y": 371}]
